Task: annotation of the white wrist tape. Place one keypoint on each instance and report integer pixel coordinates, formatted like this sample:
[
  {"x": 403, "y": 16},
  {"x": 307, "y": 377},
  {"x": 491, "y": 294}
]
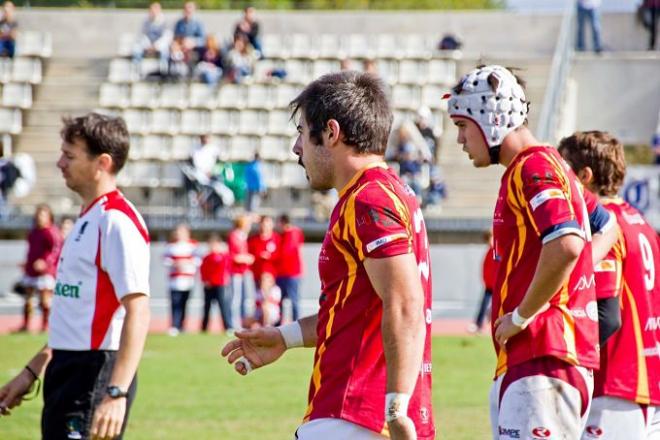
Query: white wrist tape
[
  {"x": 292, "y": 334},
  {"x": 396, "y": 405},
  {"x": 246, "y": 363},
  {"x": 519, "y": 321}
]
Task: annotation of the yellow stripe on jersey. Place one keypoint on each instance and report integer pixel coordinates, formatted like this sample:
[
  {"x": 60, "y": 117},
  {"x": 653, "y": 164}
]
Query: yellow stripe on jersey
[
  {"x": 561, "y": 175},
  {"x": 403, "y": 212},
  {"x": 518, "y": 184},
  {"x": 350, "y": 227},
  {"x": 643, "y": 395},
  {"x": 501, "y": 357},
  {"x": 316, "y": 372},
  {"x": 569, "y": 333}
]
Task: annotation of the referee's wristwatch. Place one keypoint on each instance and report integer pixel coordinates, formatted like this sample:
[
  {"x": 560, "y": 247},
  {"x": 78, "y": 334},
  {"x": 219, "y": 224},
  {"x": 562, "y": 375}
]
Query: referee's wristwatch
[{"x": 115, "y": 392}]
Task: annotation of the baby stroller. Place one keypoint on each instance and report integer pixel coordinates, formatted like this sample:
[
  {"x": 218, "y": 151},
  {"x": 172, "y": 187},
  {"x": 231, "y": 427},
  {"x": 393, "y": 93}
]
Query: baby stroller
[{"x": 206, "y": 194}]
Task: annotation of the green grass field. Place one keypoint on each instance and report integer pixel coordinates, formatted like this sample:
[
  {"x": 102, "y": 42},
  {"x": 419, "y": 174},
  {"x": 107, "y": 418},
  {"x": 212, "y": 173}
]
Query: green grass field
[{"x": 187, "y": 391}]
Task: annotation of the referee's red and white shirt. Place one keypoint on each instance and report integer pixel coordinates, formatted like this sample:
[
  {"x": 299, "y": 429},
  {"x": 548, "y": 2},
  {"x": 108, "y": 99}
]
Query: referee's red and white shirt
[{"x": 104, "y": 258}]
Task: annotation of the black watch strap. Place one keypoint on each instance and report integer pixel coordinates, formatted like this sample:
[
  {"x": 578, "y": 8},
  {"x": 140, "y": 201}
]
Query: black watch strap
[{"x": 115, "y": 392}]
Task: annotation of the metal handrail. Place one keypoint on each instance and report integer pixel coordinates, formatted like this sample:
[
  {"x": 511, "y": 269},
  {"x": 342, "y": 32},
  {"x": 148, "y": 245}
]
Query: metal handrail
[{"x": 561, "y": 62}]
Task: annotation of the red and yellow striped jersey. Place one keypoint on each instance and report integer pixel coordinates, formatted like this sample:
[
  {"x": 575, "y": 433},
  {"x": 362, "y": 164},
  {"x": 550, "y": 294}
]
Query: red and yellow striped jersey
[
  {"x": 540, "y": 199},
  {"x": 377, "y": 216},
  {"x": 630, "y": 360}
]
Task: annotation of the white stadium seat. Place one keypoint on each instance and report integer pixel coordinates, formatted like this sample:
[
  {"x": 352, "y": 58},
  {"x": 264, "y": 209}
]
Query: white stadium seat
[
  {"x": 279, "y": 122},
  {"x": 224, "y": 121},
  {"x": 231, "y": 96},
  {"x": 387, "y": 46},
  {"x": 301, "y": 46},
  {"x": 171, "y": 175},
  {"x": 10, "y": 121},
  {"x": 242, "y": 148},
  {"x": 432, "y": 95},
  {"x": 126, "y": 43},
  {"x": 26, "y": 70},
  {"x": 259, "y": 96},
  {"x": 166, "y": 121},
  {"x": 284, "y": 94},
  {"x": 442, "y": 72},
  {"x": 297, "y": 71},
  {"x": 174, "y": 95},
  {"x": 144, "y": 94},
  {"x": 182, "y": 146},
  {"x": 121, "y": 71},
  {"x": 252, "y": 122},
  {"x": 135, "y": 150},
  {"x": 405, "y": 96},
  {"x": 114, "y": 95},
  {"x": 329, "y": 46},
  {"x": 17, "y": 95},
  {"x": 137, "y": 121},
  {"x": 273, "y": 46},
  {"x": 293, "y": 175},
  {"x": 5, "y": 69},
  {"x": 33, "y": 43},
  {"x": 356, "y": 46},
  {"x": 195, "y": 122},
  {"x": 272, "y": 173},
  {"x": 202, "y": 96},
  {"x": 273, "y": 147},
  {"x": 157, "y": 147},
  {"x": 321, "y": 67}
]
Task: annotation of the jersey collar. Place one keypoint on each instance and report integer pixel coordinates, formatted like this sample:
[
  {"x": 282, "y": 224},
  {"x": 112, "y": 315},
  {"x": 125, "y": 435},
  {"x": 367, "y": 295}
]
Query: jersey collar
[
  {"x": 356, "y": 177},
  {"x": 105, "y": 196}
]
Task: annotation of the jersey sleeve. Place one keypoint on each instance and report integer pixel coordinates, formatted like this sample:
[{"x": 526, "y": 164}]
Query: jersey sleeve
[
  {"x": 600, "y": 219},
  {"x": 124, "y": 254},
  {"x": 544, "y": 186},
  {"x": 381, "y": 225},
  {"x": 608, "y": 273}
]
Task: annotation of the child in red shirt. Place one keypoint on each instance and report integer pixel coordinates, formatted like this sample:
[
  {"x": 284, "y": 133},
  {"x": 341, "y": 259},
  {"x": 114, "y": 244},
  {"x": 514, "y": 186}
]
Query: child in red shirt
[{"x": 214, "y": 271}]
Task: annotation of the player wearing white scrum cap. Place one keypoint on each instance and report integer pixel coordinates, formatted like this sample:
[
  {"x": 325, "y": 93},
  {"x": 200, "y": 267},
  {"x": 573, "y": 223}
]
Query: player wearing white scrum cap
[{"x": 545, "y": 317}]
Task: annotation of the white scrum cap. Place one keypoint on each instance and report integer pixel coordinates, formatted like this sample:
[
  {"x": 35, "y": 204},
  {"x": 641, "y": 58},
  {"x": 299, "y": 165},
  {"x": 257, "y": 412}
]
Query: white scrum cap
[{"x": 491, "y": 97}]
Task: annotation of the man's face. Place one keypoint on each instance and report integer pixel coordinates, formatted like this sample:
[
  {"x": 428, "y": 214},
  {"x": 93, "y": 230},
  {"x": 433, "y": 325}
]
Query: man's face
[
  {"x": 79, "y": 168},
  {"x": 474, "y": 144},
  {"x": 266, "y": 226},
  {"x": 188, "y": 9},
  {"x": 314, "y": 158},
  {"x": 154, "y": 10}
]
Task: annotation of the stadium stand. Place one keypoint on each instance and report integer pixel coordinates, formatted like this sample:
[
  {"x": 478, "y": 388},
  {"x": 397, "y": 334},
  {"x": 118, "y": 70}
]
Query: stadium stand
[{"x": 166, "y": 118}]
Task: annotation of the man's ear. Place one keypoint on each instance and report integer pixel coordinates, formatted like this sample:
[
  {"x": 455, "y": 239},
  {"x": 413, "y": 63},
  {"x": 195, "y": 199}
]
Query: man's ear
[
  {"x": 105, "y": 162},
  {"x": 332, "y": 132},
  {"x": 586, "y": 176}
]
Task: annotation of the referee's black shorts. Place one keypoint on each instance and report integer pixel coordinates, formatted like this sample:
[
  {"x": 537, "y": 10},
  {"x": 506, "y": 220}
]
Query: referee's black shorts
[{"x": 74, "y": 384}]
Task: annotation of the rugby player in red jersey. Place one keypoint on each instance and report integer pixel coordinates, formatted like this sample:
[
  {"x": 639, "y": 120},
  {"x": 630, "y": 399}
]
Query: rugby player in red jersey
[
  {"x": 627, "y": 386},
  {"x": 545, "y": 316},
  {"x": 372, "y": 364}
]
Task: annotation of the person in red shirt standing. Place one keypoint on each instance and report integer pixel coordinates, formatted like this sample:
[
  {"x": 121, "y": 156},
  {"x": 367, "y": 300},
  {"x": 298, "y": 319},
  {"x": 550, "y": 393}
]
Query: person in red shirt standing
[
  {"x": 545, "y": 315},
  {"x": 627, "y": 386},
  {"x": 263, "y": 246},
  {"x": 290, "y": 264},
  {"x": 372, "y": 364},
  {"x": 44, "y": 244},
  {"x": 214, "y": 275},
  {"x": 488, "y": 272},
  {"x": 240, "y": 261}
]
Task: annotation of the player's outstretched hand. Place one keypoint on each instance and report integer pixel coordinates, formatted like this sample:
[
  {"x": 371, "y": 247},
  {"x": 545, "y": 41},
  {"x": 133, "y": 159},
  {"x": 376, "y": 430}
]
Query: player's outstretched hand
[
  {"x": 260, "y": 347},
  {"x": 11, "y": 395},
  {"x": 505, "y": 329},
  {"x": 402, "y": 428}
]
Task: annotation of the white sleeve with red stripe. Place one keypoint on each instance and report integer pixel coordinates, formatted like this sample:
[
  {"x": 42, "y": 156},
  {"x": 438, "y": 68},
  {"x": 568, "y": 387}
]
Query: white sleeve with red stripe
[{"x": 125, "y": 253}]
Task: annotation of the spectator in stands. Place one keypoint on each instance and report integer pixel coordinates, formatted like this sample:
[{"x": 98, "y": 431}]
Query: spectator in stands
[
  {"x": 410, "y": 166},
  {"x": 155, "y": 38},
  {"x": 254, "y": 183},
  {"x": 345, "y": 64},
  {"x": 290, "y": 263},
  {"x": 588, "y": 11},
  {"x": 8, "y": 30},
  {"x": 182, "y": 261},
  {"x": 241, "y": 259},
  {"x": 214, "y": 273},
  {"x": 652, "y": 9},
  {"x": 263, "y": 246},
  {"x": 9, "y": 174},
  {"x": 268, "y": 301},
  {"x": 369, "y": 66},
  {"x": 189, "y": 35},
  {"x": 450, "y": 42},
  {"x": 488, "y": 272},
  {"x": 66, "y": 225},
  {"x": 437, "y": 190},
  {"x": 241, "y": 59},
  {"x": 210, "y": 67},
  {"x": 205, "y": 155},
  {"x": 428, "y": 130},
  {"x": 249, "y": 27},
  {"x": 44, "y": 243},
  {"x": 655, "y": 145}
]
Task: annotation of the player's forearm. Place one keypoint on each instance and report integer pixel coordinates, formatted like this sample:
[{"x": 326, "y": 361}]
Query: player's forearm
[
  {"x": 403, "y": 342},
  {"x": 556, "y": 262},
  {"x": 602, "y": 242},
  {"x": 308, "y": 328},
  {"x": 39, "y": 362},
  {"x": 131, "y": 345}
]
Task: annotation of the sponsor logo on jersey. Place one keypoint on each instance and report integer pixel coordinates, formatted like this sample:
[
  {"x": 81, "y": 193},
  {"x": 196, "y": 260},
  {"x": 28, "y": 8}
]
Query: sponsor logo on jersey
[
  {"x": 652, "y": 324},
  {"x": 541, "y": 432},
  {"x": 605, "y": 266},
  {"x": 634, "y": 219},
  {"x": 593, "y": 431},
  {"x": 427, "y": 367},
  {"x": 67, "y": 290},
  {"x": 509, "y": 432},
  {"x": 424, "y": 414},
  {"x": 546, "y": 195},
  {"x": 82, "y": 230},
  {"x": 384, "y": 240},
  {"x": 592, "y": 310},
  {"x": 585, "y": 282}
]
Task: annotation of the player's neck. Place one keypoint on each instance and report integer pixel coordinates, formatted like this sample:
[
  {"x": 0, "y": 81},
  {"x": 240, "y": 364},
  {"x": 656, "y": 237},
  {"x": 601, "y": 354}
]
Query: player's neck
[
  {"x": 97, "y": 189},
  {"x": 351, "y": 164},
  {"x": 516, "y": 142}
]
